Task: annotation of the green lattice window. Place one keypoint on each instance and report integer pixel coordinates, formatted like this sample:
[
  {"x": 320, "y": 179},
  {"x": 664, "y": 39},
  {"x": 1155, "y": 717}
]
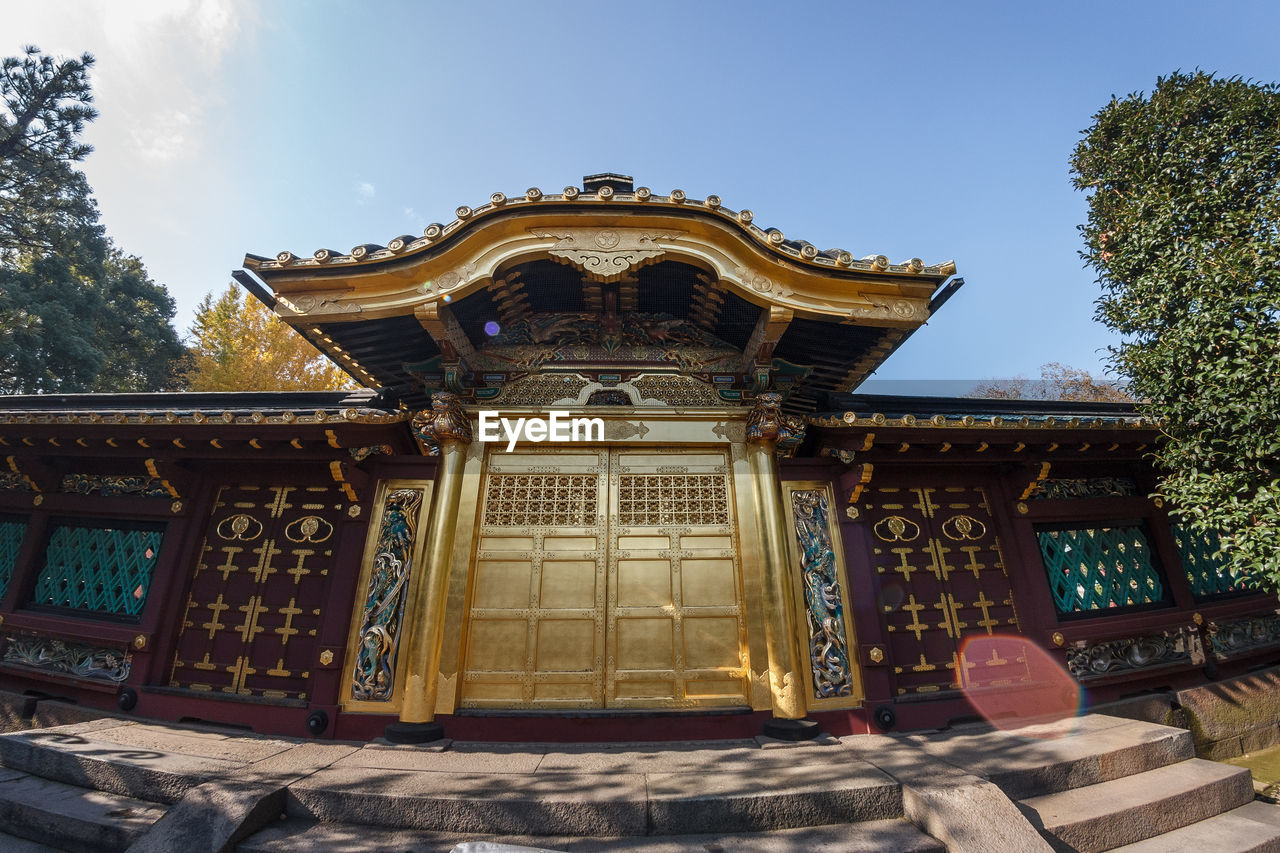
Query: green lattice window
[
  {"x": 100, "y": 568},
  {"x": 11, "y": 533},
  {"x": 1207, "y": 573},
  {"x": 1100, "y": 568}
]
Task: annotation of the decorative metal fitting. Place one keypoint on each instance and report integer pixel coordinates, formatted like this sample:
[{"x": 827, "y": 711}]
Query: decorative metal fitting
[
  {"x": 353, "y": 511},
  {"x": 433, "y": 231},
  {"x": 463, "y": 212},
  {"x": 1022, "y": 507},
  {"x": 1197, "y": 618},
  {"x": 713, "y": 201},
  {"x": 140, "y": 642},
  {"x": 571, "y": 193},
  {"x": 852, "y": 512},
  {"x": 175, "y": 507},
  {"x": 326, "y": 657},
  {"x": 1058, "y": 639},
  {"x": 605, "y": 193},
  {"x": 876, "y": 654},
  {"x": 644, "y": 194},
  {"x": 678, "y": 196},
  {"x": 745, "y": 216},
  {"x": 533, "y": 194},
  {"x": 498, "y": 199}
]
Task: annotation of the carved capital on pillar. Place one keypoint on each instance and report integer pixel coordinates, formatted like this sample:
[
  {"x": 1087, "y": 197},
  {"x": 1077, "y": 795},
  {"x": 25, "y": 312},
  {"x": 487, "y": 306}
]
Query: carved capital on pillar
[
  {"x": 767, "y": 423},
  {"x": 445, "y": 421}
]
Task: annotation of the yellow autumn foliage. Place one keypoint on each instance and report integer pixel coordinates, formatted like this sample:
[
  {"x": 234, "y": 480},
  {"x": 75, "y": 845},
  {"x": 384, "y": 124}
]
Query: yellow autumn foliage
[{"x": 236, "y": 344}]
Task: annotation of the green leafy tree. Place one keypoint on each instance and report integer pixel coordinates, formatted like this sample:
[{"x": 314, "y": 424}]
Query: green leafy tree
[
  {"x": 1057, "y": 382},
  {"x": 76, "y": 314},
  {"x": 238, "y": 345},
  {"x": 96, "y": 325},
  {"x": 1184, "y": 234}
]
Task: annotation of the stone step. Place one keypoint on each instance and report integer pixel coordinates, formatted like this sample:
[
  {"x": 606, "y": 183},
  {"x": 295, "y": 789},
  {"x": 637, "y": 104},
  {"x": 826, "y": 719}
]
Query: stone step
[
  {"x": 85, "y": 755},
  {"x": 1058, "y": 756},
  {"x": 70, "y": 817},
  {"x": 1252, "y": 828},
  {"x": 599, "y": 805},
  {"x": 300, "y": 836},
  {"x": 14, "y": 844},
  {"x": 1138, "y": 807}
]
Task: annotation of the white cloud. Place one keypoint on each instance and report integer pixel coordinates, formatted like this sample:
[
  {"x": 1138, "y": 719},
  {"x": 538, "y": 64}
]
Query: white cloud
[
  {"x": 365, "y": 191},
  {"x": 158, "y": 64}
]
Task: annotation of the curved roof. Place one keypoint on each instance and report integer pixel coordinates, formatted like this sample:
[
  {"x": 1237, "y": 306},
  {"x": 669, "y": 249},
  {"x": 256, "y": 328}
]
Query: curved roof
[
  {"x": 468, "y": 218},
  {"x": 644, "y": 269}
]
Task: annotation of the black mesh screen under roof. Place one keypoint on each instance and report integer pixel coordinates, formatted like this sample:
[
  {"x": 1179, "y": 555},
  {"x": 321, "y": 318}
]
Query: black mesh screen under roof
[
  {"x": 550, "y": 286},
  {"x": 736, "y": 321},
  {"x": 666, "y": 288},
  {"x": 473, "y": 312}
]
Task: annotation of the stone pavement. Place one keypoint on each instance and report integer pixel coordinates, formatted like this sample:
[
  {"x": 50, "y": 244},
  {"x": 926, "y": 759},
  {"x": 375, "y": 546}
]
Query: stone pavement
[{"x": 1092, "y": 783}]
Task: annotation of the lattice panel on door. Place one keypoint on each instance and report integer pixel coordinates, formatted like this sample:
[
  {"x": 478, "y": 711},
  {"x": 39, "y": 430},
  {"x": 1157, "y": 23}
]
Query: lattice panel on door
[
  {"x": 103, "y": 570},
  {"x": 255, "y": 603},
  {"x": 530, "y": 500},
  {"x": 11, "y": 535},
  {"x": 1100, "y": 568},
  {"x": 943, "y": 578},
  {"x": 1207, "y": 573},
  {"x": 673, "y": 499}
]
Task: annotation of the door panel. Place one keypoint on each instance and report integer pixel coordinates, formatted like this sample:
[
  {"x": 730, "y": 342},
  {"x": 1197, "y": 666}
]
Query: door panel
[
  {"x": 536, "y": 628},
  {"x": 606, "y": 579},
  {"x": 675, "y": 628}
]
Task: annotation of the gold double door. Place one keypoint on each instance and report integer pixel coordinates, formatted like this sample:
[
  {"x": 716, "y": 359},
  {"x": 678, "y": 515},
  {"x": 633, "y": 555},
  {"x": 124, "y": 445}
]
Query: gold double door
[{"x": 606, "y": 578}]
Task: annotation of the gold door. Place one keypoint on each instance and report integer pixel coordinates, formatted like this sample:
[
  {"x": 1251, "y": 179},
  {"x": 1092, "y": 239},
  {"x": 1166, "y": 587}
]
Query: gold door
[
  {"x": 606, "y": 578},
  {"x": 675, "y": 627}
]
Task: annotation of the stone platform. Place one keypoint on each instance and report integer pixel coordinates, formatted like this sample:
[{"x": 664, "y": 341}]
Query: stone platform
[{"x": 1090, "y": 784}]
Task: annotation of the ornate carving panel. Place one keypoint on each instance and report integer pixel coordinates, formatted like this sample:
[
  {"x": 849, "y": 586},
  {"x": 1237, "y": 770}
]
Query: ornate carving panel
[
  {"x": 605, "y": 254},
  {"x": 385, "y": 593},
  {"x": 1087, "y": 661},
  {"x": 824, "y": 598},
  {"x": 943, "y": 578},
  {"x": 605, "y": 579},
  {"x": 1096, "y": 487},
  {"x": 73, "y": 659},
  {"x": 256, "y": 595},
  {"x": 1231, "y": 637}
]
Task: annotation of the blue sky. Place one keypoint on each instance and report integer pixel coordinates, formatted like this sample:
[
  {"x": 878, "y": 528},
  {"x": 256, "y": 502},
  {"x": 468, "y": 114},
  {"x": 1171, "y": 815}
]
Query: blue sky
[{"x": 932, "y": 130}]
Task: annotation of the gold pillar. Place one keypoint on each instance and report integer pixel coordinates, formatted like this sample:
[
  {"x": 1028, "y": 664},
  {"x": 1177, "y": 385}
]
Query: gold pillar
[
  {"x": 427, "y": 631},
  {"x": 445, "y": 425},
  {"x": 785, "y": 675}
]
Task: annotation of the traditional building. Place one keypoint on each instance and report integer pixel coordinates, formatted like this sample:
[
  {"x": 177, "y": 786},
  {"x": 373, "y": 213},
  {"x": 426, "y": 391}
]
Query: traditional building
[{"x": 733, "y": 541}]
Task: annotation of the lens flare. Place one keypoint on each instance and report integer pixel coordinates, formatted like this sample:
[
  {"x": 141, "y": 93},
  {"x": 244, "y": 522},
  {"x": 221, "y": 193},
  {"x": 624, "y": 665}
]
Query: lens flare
[
  {"x": 491, "y": 328},
  {"x": 1013, "y": 684},
  {"x": 892, "y": 594}
]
